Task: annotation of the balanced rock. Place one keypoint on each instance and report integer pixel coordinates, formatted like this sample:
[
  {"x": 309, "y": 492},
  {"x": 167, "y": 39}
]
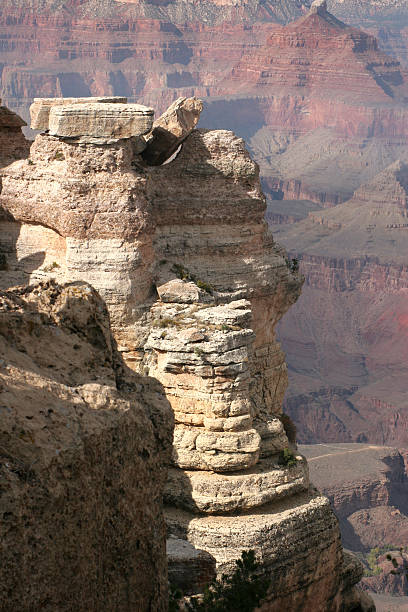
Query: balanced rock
[
  {"x": 171, "y": 129},
  {"x": 40, "y": 108},
  {"x": 100, "y": 123}
]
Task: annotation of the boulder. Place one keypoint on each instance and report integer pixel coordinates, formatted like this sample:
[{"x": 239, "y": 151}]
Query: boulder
[{"x": 171, "y": 129}]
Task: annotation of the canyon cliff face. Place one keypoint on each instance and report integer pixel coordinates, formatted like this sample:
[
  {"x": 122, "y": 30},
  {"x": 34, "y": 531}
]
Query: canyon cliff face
[
  {"x": 319, "y": 118},
  {"x": 346, "y": 339},
  {"x": 366, "y": 485},
  {"x": 195, "y": 285}
]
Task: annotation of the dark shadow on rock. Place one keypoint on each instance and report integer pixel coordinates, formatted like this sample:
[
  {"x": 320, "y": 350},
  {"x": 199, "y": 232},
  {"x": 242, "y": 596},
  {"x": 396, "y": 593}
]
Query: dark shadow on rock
[{"x": 14, "y": 270}]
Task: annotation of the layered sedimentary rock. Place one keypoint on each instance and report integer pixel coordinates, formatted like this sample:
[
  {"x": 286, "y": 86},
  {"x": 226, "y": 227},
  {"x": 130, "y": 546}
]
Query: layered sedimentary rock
[
  {"x": 195, "y": 285},
  {"x": 321, "y": 104},
  {"x": 367, "y": 487},
  {"x": 346, "y": 340},
  {"x": 41, "y": 107},
  {"x": 84, "y": 445}
]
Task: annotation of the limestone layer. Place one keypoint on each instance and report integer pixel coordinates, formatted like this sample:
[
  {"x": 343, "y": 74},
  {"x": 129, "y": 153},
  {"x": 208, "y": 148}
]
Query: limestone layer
[
  {"x": 195, "y": 285},
  {"x": 41, "y": 107},
  {"x": 100, "y": 123}
]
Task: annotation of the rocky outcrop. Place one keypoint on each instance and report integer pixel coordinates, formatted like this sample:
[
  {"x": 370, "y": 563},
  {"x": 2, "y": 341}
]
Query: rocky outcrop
[
  {"x": 84, "y": 445},
  {"x": 195, "y": 285},
  {"x": 41, "y": 107},
  {"x": 13, "y": 144}
]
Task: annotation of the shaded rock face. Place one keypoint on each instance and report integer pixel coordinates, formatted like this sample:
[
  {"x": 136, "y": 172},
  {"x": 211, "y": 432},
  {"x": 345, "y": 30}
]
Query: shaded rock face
[
  {"x": 195, "y": 285},
  {"x": 346, "y": 339},
  {"x": 13, "y": 144},
  {"x": 367, "y": 486},
  {"x": 84, "y": 449}
]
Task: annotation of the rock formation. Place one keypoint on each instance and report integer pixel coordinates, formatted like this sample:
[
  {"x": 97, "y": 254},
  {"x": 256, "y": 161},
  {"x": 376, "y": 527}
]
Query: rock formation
[
  {"x": 84, "y": 447},
  {"x": 367, "y": 488},
  {"x": 195, "y": 285},
  {"x": 13, "y": 145},
  {"x": 346, "y": 339}
]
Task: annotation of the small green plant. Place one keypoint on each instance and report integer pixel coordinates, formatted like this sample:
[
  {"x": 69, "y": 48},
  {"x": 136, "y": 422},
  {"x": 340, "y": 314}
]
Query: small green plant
[
  {"x": 165, "y": 322},
  {"x": 225, "y": 327},
  {"x": 184, "y": 274},
  {"x": 58, "y": 156},
  {"x": 30, "y": 162},
  {"x": 205, "y": 286},
  {"x": 287, "y": 458},
  {"x": 293, "y": 264},
  {"x": 371, "y": 560},
  {"x": 175, "y": 595},
  {"x": 198, "y": 351},
  {"x": 52, "y": 267},
  {"x": 243, "y": 591}
]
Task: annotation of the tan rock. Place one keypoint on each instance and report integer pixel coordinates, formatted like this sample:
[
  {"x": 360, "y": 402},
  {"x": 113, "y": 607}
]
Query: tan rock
[
  {"x": 201, "y": 491},
  {"x": 171, "y": 129},
  {"x": 298, "y": 544},
  {"x": 190, "y": 570},
  {"x": 84, "y": 446},
  {"x": 40, "y": 108},
  {"x": 195, "y": 285},
  {"x": 99, "y": 123}
]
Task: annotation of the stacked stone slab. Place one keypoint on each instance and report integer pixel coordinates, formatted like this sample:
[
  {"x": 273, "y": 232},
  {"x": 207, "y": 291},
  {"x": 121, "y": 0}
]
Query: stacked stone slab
[
  {"x": 41, "y": 107},
  {"x": 93, "y": 120},
  {"x": 195, "y": 285}
]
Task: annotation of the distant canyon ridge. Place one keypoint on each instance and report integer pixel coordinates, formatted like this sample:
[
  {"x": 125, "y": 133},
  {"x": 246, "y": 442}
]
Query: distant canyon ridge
[{"x": 320, "y": 93}]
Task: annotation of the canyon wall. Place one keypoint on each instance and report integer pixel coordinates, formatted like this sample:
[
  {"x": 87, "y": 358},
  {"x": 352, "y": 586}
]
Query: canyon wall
[
  {"x": 195, "y": 285},
  {"x": 347, "y": 341}
]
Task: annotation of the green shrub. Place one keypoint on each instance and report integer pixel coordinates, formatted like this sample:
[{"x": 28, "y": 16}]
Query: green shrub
[
  {"x": 3, "y": 261},
  {"x": 59, "y": 156},
  {"x": 241, "y": 592},
  {"x": 287, "y": 458},
  {"x": 184, "y": 274}
]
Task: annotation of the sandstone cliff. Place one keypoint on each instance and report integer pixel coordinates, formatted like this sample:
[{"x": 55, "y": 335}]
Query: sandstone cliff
[
  {"x": 195, "y": 285},
  {"x": 84, "y": 447}
]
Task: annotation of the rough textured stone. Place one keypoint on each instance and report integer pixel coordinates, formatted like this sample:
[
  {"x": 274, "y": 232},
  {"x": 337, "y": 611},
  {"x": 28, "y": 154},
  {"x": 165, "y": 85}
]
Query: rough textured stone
[
  {"x": 171, "y": 129},
  {"x": 13, "y": 144},
  {"x": 40, "y": 108},
  {"x": 84, "y": 446},
  {"x": 100, "y": 123},
  {"x": 192, "y": 232},
  {"x": 190, "y": 570}
]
